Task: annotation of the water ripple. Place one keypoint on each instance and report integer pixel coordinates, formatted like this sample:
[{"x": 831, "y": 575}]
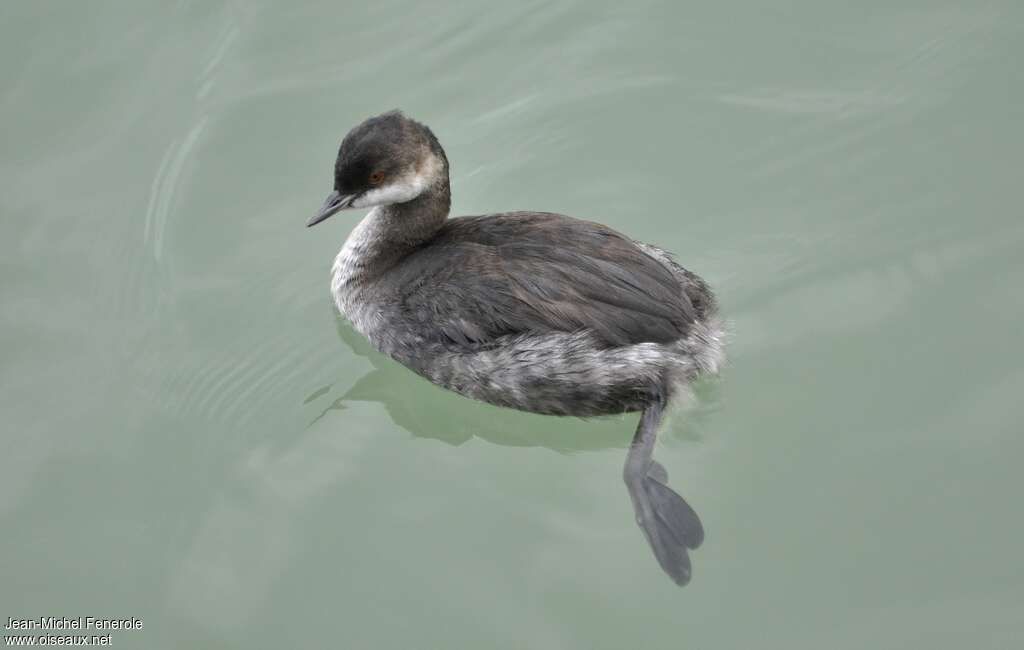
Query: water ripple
[{"x": 166, "y": 183}]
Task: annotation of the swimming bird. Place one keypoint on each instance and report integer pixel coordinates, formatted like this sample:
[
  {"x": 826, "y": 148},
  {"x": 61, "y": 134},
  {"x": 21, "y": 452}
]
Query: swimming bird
[{"x": 534, "y": 311}]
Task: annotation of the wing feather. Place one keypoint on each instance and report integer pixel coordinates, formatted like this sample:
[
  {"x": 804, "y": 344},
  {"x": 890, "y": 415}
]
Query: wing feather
[{"x": 486, "y": 277}]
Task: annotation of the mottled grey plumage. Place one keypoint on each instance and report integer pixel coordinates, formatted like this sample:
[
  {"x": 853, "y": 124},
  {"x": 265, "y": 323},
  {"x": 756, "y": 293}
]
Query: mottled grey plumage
[{"x": 529, "y": 310}]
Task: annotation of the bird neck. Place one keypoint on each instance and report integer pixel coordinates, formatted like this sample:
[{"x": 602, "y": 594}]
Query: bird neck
[{"x": 389, "y": 233}]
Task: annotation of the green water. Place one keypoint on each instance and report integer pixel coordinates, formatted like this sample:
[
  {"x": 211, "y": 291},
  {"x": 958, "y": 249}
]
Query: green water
[{"x": 190, "y": 436}]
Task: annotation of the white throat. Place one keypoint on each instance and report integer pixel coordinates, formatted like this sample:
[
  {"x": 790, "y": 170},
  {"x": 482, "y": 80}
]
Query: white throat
[{"x": 348, "y": 267}]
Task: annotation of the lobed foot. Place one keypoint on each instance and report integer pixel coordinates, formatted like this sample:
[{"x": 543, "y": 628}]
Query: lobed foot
[{"x": 670, "y": 525}]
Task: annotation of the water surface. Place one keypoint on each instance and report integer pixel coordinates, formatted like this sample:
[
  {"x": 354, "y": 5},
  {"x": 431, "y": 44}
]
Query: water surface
[{"x": 191, "y": 437}]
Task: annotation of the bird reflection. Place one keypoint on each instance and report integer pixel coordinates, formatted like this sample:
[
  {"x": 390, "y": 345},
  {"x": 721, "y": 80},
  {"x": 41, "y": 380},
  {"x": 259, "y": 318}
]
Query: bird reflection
[{"x": 671, "y": 527}]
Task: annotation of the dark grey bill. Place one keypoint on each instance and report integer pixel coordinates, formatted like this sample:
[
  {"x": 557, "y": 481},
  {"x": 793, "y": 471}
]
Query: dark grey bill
[{"x": 334, "y": 203}]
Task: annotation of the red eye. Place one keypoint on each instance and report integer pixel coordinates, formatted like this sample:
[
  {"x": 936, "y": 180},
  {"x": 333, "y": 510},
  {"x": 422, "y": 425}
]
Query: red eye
[{"x": 376, "y": 177}]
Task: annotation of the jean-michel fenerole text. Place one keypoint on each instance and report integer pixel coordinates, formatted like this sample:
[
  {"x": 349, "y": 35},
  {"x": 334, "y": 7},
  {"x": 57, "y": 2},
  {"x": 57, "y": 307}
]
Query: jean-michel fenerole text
[{"x": 75, "y": 623}]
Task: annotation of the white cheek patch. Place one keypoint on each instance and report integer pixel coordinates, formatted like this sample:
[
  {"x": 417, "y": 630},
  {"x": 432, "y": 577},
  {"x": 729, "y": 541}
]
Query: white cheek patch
[{"x": 401, "y": 191}]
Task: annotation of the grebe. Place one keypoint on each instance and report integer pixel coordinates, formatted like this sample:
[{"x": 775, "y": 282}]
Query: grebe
[{"x": 530, "y": 310}]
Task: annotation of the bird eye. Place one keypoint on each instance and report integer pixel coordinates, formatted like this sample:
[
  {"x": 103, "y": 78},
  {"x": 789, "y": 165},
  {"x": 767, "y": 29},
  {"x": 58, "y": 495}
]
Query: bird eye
[{"x": 376, "y": 177}]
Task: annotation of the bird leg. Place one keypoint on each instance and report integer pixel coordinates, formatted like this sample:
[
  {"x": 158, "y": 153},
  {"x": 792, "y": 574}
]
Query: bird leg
[{"x": 669, "y": 523}]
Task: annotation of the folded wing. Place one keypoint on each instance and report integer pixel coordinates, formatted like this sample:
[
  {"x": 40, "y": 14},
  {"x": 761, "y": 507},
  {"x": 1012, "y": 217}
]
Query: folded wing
[{"x": 530, "y": 272}]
